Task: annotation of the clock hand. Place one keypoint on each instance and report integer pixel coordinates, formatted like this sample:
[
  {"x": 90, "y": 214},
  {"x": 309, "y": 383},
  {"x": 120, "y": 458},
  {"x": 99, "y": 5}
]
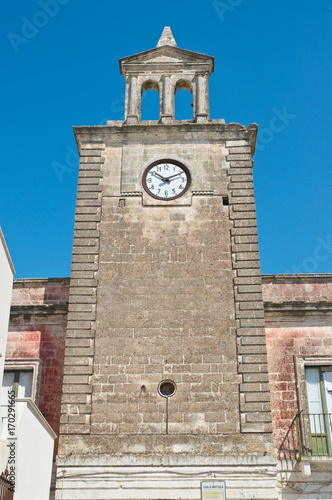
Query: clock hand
[
  {"x": 175, "y": 175},
  {"x": 161, "y": 177}
]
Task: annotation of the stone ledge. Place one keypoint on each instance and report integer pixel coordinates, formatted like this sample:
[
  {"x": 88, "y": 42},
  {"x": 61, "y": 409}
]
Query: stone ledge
[
  {"x": 39, "y": 309},
  {"x": 297, "y": 278},
  {"x": 298, "y": 306},
  {"x": 27, "y": 282}
]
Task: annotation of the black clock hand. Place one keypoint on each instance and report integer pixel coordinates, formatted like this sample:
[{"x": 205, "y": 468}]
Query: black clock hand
[
  {"x": 161, "y": 177},
  {"x": 175, "y": 175}
]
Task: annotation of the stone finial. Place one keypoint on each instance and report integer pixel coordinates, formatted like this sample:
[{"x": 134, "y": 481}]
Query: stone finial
[{"x": 166, "y": 38}]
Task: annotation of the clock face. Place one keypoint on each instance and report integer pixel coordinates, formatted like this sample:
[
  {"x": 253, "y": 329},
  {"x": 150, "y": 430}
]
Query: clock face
[{"x": 166, "y": 179}]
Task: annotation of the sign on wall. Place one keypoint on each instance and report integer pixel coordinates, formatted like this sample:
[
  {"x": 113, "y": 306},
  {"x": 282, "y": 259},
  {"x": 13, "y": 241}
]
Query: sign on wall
[{"x": 213, "y": 490}]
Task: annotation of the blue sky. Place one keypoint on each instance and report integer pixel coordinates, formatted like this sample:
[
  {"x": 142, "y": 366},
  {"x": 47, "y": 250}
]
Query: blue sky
[{"x": 272, "y": 67}]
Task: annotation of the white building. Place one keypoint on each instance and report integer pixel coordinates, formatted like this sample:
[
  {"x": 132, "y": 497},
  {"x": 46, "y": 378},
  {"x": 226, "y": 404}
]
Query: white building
[{"x": 26, "y": 439}]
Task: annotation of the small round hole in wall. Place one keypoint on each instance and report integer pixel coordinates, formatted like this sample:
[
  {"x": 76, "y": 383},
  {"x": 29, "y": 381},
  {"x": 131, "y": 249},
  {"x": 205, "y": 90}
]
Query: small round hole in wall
[{"x": 167, "y": 388}]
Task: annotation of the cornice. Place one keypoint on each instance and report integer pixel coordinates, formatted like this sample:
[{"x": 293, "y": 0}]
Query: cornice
[
  {"x": 153, "y": 131},
  {"x": 296, "y": 278},
  {"x": 185, "y": 57},
  {"x": 41, "y": 309},
  {"x": 26, "y": 282},
  {"x": 296, "y": 306}
]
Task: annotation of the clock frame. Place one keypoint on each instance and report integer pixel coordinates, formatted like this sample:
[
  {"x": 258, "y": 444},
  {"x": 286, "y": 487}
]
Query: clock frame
[{"x": 171, "y": 163}]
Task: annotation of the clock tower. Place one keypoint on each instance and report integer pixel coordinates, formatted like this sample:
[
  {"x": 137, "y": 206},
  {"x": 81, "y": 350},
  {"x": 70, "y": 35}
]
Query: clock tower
[{"x": 165, "y": 391}]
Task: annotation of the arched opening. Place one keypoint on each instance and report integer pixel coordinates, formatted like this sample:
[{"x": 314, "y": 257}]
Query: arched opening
[
  {"x": 150, "y": 101},
  {"x": 183, "y": 101}
]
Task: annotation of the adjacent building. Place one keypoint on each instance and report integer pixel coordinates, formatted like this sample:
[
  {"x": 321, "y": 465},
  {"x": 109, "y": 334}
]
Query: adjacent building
[{"x": 26, "y": 437}]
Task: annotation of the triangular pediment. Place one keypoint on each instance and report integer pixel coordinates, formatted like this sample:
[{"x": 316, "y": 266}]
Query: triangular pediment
[{"x": 168, "y": 55}]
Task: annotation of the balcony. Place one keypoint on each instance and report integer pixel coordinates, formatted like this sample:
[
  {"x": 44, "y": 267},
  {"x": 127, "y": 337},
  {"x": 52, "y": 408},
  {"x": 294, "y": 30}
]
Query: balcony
[{"x": 309, "y": 435}]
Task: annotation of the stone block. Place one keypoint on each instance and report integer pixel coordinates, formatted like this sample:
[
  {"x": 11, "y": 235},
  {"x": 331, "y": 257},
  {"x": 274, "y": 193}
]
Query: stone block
[
  {"x": 239, "y": 150},
  {"x": 237, "y": 185},
  {"x": 241, "y": 178},
  {"x": 90, "y": 166},
  {"x": 251, "y": 331},
  {"x": 250, "y": 280},
  {"x": 256, "y": 368},
  {"x": 245, "y": 207},
  {"x": 249, "y": 297},
  {"x": 249, "y": 314},
  {"x": 78, "y": 342},
  {"x": 92, "y": 145},
  {"x": 90, "y": 173},
  {"x": 241, "y": 164},
  {"x": 77, "y": 389},
  {"x": 78, "y": 369},
  {"x": 251, "y": 231},
  {"x": 91, "y": 152},
  {"x": 238, "y": 157},
  {"x": 75, "y": 379},
  {"x": 246, "y": 265},
  {"x": 88, "y": 195},
  {"x": 89, "y": 189},
  {"x": 249, "y": 289},
  {"x": 257, "y": 396},
  {"x": 242, "y": 193},
  {"x": 88, "y": 181},
  {"x": 85, "y": 266},
  {"x": 259, "y": 417},
  {"x": 241, "y": 200},
  {"x": 252, "y": 323},
  {"x": 249, "y": 272},
  {"x": 247, "y": 256},
  {"x": 251, "y": 349},
  {"x": 91, "y": 159},
  {"x": 236, "y": 143}
]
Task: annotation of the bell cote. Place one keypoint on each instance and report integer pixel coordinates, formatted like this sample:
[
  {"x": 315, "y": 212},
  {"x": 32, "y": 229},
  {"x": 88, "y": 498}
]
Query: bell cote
[{"x": 167, "y": 69}]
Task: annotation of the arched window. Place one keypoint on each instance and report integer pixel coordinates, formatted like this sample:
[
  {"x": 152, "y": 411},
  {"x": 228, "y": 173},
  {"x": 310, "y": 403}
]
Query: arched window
[
  {"x": 183, "y": 101},
  {"x": 150, "y": 101}
]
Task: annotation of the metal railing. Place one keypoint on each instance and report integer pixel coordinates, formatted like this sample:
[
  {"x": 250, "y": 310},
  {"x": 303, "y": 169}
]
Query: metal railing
[
  {"x": 309, "y": 435},
  {"x": 6, "y": 487}
]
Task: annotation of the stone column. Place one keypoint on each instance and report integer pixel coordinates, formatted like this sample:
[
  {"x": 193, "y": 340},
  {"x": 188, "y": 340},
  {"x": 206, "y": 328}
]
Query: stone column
[
  {"x": 201, "y": 107},
  {"x": 167, "y": 113},
  {"x": 132, "y": 113}
]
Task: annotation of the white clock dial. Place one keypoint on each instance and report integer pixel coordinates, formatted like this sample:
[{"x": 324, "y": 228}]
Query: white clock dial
[{"x": 166, "y": 179}]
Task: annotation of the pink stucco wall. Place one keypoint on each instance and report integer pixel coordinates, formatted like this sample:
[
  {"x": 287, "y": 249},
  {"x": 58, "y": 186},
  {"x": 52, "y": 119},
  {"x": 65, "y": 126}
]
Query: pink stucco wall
[
  {"x": 38, "y": 332},
  {"x": 298, "y": 323}
]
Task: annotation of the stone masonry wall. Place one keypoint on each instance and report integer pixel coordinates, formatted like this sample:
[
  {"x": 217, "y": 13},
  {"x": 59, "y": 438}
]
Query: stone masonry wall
[
  {"x": 76, "y": 399},
  {"x": 152, "y": 297},
  {"x": 165, "y": 311},
  {"x": 252, "y": 361}
]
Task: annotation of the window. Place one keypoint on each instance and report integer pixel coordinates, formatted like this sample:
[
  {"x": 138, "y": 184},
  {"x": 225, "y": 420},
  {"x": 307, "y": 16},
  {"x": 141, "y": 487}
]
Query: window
[
  {"x": 319, "y": 393},
  {"x": 21, "y": 376},
  {"x": 18, "y": 380}
]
